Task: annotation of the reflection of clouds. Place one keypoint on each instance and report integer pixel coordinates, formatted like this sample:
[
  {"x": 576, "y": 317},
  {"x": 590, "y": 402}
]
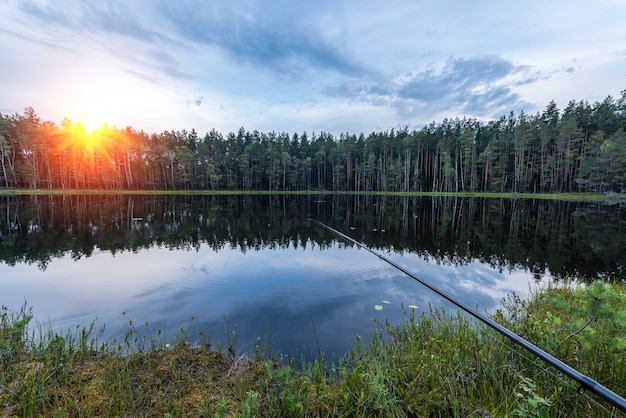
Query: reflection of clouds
[
  {"x": 89, "y": 287},
  {"x": 267, "y": 272},
  {"x": 277, "y": 293},
  {"x": 475, "y": 284}
]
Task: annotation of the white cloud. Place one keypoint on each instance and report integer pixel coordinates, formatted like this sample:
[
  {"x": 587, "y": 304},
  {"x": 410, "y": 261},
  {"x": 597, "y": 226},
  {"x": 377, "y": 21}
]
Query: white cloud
[{"x": 344, "y": 66}]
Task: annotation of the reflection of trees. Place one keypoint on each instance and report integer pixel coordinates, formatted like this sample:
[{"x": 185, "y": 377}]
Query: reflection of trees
[{"x": 567, "y": 238}]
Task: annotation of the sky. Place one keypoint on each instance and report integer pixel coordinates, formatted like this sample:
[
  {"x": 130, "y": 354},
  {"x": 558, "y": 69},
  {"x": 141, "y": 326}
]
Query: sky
[{"x": 337, "y": 66}]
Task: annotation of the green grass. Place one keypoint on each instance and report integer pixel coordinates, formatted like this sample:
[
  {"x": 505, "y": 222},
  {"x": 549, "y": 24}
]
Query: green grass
[
  {"x": 149, "y": 192},
  {"x": 577, "y": 197},
  {"x": 439, "y": 364}
]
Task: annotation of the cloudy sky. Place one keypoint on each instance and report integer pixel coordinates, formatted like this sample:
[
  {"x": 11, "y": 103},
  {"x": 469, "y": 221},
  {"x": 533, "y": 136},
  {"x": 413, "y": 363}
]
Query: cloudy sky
[{"x": 293, "y": 66}]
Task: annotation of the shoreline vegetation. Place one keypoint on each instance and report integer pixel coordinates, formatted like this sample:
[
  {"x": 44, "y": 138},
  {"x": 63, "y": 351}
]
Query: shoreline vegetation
[
  {"x": 581, "y": 148},
  {"x": 436, "y": 364},
  {"x": 578, "y": 197}
]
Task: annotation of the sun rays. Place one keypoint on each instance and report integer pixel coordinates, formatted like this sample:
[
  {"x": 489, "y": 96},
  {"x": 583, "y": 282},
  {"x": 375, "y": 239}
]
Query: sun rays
[{"x": 95, "y": 154}]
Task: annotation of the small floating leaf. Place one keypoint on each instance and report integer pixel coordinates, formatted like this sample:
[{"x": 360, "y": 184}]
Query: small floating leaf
[
  {"x": 378, "y": 307},
  {"x": 386, "y": 302},
  {"x": 413, "y": 306}
]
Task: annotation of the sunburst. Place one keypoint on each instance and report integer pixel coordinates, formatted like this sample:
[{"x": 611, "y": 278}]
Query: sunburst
[
  {"x": 91, "y": 153},
  {"x": 94, "y": 143}
]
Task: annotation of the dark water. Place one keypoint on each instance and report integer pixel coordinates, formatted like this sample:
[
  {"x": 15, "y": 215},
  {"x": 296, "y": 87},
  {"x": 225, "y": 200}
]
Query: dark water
[{"x": 256, "y": 267}]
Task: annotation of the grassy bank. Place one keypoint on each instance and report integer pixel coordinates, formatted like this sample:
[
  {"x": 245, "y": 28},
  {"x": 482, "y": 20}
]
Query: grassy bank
[
  {"x": 577, "y": 197},
  {"x": 436, "y": 364}
]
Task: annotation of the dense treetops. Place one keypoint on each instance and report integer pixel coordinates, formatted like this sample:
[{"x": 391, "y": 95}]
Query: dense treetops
[{"x": 581, "y": 148}]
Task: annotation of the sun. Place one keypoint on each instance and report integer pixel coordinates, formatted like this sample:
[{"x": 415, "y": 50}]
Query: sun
[
  {"x": 95, "y": 158},
  {"x": 94, "y": 140},
  {"x": 90, "y": 125},
  {"x": 93, "y": 153},
  {"x": 79, "y": 139}
]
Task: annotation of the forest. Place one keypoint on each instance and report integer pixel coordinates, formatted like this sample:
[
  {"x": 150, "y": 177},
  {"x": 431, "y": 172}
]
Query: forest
[{"x": 581, "y": 148}]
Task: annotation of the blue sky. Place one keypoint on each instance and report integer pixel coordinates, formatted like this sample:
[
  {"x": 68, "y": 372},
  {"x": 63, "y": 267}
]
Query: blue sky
[{"x": 293, "y": 66}]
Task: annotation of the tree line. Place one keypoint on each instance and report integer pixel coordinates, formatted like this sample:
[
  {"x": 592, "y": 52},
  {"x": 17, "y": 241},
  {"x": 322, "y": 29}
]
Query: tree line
[{"x": 579, "y": 148}]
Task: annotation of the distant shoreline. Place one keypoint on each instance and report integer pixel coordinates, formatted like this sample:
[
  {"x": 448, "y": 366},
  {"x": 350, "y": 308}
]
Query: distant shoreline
[{"x": 578, "y": 197}]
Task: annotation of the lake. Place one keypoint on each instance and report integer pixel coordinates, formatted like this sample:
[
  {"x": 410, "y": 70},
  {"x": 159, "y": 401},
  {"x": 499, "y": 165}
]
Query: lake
[{"x": 252, "y": 269}]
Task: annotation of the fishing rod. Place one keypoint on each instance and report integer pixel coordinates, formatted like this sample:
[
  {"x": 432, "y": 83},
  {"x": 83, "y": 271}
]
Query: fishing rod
[{"x": 585, "y": 382}]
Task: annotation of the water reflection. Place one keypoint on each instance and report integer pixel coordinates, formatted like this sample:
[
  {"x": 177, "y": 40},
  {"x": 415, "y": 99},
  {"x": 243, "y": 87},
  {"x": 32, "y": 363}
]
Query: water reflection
[{"x": 258, "y": 262}]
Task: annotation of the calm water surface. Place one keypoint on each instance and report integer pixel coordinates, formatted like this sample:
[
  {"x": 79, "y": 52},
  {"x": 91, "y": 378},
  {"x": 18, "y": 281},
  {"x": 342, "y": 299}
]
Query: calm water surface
[{"x": 256, "y": 267}]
